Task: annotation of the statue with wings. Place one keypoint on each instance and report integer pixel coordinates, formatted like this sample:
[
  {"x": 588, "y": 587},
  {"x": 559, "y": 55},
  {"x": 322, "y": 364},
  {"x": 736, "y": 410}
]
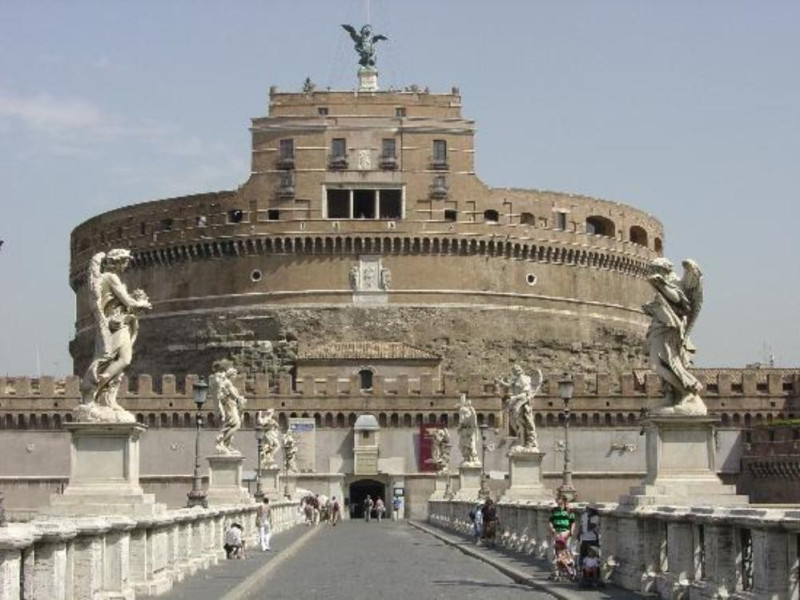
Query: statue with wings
[
  {"x": 674, "y": 311},
  {"x": 365, "y": 44},
  {"x": 521, "y": 390}
]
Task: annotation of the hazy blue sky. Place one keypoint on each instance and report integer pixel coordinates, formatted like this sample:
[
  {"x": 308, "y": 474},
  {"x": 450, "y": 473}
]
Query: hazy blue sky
[{"x": 688, "y": 110}]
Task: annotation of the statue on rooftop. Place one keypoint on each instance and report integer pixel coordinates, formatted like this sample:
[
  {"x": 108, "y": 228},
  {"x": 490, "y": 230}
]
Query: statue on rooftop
[
  {"x": 115, "y": 313},
  {"x": 365, "y": 44},
  {"x": 270, "y": 441},
  {"x": 674, "y": 311},
  {"x": 468, "y": 432},
  {"x": 229, "y": 403},
  {"x": 521, "y": 390}
]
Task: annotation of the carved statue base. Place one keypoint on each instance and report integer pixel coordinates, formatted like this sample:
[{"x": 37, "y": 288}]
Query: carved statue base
[
  {"x": 470, "y": 479},
  {"x": 681, "y": 465},
  {"x": 104, "y": 473},
  {"x": 271, "y": 482},
  {"x": 525, "y": 475},
  {"x": 367, "y": 79},
  {"x": 691, "y": 406},
  {"x": 225, "y": 480},
  {"x": 98, "y": 413},
  {"x": 441, "y": 489}
]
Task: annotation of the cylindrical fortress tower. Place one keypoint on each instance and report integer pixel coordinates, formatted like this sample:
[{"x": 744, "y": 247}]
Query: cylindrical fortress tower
[{"x": 363, "y": 221}]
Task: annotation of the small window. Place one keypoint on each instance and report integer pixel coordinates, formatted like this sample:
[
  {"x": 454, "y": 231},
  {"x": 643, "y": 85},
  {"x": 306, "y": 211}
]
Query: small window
[
  {"x": 491, "y": 216},
  {"x": 256, "y": 275},
  {"x": 388, "y": 147},
  {"x": 365, "y": 376},
  {"x": 235, "y": 215},
  {"x": 338, "y": 147},
  {"x": 561, "y": 221},
  {"x": 286, "y": 148},
  {"x": 658, "y": 245},
  {"x": 287, "y": 179},
  {"x": 119, "y": 232},
  {"x": 439, "y": 153},
  {"x": 530, "y": 279},
  {"x": 273, "y": 214},
  {"x": 527, "y": 218},
  {"x": 364, "y": 204},
  {"x": 322, "y": 111},
  {"x": 143, "y": 228},
  {"x": 597, "y": 225},
  {"x": 391, "y": 204},
  {"x": 166, "y": 224},
  {"x": 338, "y": 204},
  {"x": 638, "y": 235},
  {"x": 450, "y": 215},
  {"x": 400, "y": 112}
]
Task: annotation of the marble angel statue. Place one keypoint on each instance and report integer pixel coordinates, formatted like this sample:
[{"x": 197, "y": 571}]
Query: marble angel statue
[
  {"x": 115, "y": 313},
  {"x": 229, "y": 404},
  {"x": 468, "y": 432},
  {"x": 289, "y": 452},
  {"x": 673, "y": 312},
  {"x": 270, "y": 441},
  {"x": 440, "y": 452},
  {"x": 521, "y": 390}
]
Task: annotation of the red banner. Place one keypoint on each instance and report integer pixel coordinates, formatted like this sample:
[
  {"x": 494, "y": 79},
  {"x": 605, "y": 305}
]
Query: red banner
[{"x": 426, "y": 448}]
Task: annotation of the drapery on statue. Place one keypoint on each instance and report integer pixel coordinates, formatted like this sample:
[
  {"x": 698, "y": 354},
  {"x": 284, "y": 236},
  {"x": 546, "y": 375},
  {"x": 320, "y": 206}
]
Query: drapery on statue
[
  {"x": 115, "y": 315},
  {"x": 269, "y": 440},
  {"x": 440, "y": 452},
  {"x": 289, "y": 452},
  {"x": 229, "y": 403},
  {"x": 674, "y": 311},
  {"x": 365, "y": 44},
  {"x": 468, "y": 432},
  {"x": 521, "y": 390}
]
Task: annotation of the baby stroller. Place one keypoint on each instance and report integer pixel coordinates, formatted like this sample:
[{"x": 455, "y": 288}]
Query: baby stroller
[{"x": 565, "y": 564}]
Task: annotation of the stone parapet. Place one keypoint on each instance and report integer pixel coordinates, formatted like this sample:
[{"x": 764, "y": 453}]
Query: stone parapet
[
  {"x": 668, "y": 551},
  {"x": 93, "y": 557}
]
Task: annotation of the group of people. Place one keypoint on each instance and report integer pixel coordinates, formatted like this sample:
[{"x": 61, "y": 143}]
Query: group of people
[
  {"x": 235, "y": 545},
  {"x": 565, "y": 530},
  {"x": 320, "y": 509}
]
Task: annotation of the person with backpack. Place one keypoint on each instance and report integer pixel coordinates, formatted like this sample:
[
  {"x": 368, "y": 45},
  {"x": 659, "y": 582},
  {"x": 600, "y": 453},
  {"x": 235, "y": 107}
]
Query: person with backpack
[{"x": 476, "y": 516}]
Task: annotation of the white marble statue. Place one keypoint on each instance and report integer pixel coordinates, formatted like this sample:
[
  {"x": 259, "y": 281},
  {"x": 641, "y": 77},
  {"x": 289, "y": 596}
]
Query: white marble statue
[
  {"x": 270, "y": 441},
  {"x": 521, "y": 390},
  {"x": 115, "y": 316},
  {"x": 468, "y": 432},
  {"x": 674, "y": 310},
  {"x": 229, "y": 403},
  {"x": 289, "y": 452},
  {"x": 440, "y": 452}
]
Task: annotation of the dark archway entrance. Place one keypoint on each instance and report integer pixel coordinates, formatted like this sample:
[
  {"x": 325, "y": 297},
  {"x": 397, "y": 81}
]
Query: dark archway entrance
[{"x": 359, "y": 491}]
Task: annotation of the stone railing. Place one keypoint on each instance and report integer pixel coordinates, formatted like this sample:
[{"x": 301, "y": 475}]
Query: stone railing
[
  {"x": 120, "y": 557},
  {"x": 674, "y": 552}
]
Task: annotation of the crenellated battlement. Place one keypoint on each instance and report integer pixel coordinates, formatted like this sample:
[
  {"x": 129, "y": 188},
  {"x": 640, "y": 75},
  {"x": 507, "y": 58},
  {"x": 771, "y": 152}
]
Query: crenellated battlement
[{"x": 720, "y": 383}]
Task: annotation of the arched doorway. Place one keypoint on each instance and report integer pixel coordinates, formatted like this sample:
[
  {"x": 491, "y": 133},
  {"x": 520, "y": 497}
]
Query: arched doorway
[{"x": 359, "y": 491}]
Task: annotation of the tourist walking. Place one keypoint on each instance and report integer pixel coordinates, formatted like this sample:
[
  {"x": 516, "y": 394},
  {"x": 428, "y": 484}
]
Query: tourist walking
[
  {"x": 380, "y": 508},
  {"x": 368, "y": 504},
  {"x": 490, "y": 522},
  {"x": 336, "y": 511},
  {"x": 396, "y": 505},
  {"x": 264, "y": 523}
]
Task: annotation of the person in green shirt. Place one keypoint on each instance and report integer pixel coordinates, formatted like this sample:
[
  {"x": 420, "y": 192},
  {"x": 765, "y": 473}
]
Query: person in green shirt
[{"x": 561, "y": 526}]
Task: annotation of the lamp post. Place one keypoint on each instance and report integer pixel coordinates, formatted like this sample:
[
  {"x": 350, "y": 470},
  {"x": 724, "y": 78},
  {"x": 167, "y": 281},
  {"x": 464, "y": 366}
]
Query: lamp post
[
  {"x": 484, "y": 491},
  {"x": 566, "y": 387},
  {"x": 197, "y": 497},
  {"x": 259, "y": 441}
]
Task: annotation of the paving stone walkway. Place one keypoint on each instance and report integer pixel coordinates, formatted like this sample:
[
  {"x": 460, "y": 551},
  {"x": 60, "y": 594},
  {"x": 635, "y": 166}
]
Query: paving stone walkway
[{"x": 386, "y": 561}]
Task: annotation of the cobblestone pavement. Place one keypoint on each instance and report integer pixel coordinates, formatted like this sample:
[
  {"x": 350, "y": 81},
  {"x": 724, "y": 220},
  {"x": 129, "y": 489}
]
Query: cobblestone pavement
[{"x": 384, "y": 562}]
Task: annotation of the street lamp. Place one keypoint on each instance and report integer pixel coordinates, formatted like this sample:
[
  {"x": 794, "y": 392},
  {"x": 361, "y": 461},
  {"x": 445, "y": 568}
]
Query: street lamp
[
  {"x": 259, "y": 441},
  {"x": 484, "y": 491},
  {"x": 197, "y": 497},
  {"x": 566, "y": 386}
]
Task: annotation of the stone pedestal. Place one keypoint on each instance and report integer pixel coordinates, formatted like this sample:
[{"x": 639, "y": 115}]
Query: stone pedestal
[
  {"x": 470, "y": 479},
  {"x": 104, "y": 473},
  {"x": 289, "y": 490},
  {"x": 271, "y": 483},
  {"x": 441, "y": 489},
  {"x": 681, "y": 465},
  {"x": 525, "y": 474},
  {"x": 367, "y": 79},
  {"x": 225, "y": 480}
]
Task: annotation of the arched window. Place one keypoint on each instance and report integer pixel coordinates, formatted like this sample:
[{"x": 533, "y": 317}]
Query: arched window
[
  {"x": 597, "y": 225},
  {"x": 638, "y": 235},
  {"x": 365, "y": 377},
  {"x": 491, "y": 216}
]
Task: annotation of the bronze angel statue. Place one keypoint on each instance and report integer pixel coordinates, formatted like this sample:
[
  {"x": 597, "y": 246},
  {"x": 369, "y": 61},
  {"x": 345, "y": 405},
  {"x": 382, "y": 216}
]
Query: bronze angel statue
[
  {"x": 674, "y": 311},
  {"x": 365, "y": 44}
]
